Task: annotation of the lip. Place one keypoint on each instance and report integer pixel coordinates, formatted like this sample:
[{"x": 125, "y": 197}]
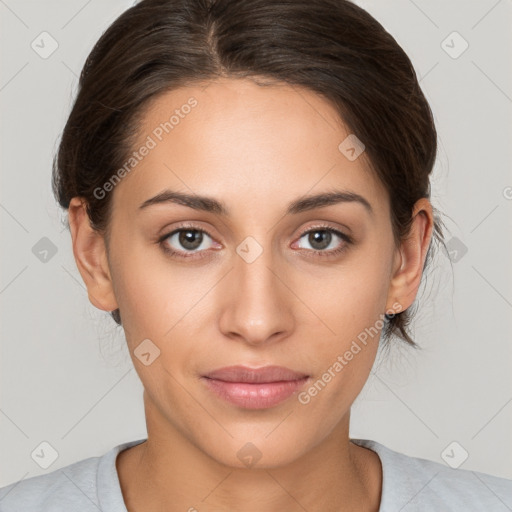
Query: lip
[
  {"x": 263, "y": 374},
  {"x": 255, "y": 388}
]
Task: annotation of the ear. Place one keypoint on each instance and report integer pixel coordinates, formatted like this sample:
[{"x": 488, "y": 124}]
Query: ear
[
  {"x": 91, "y": 256},
  {"x": 409, "y": 261}
]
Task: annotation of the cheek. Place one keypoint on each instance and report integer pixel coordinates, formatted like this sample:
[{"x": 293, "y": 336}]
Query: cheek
[
  {"x": 349, "y": 305},
  {"x": 143, "y": 289},
  {"x": 155, "y": 294},
  {"x": 344, "y": 359},
  {"x": 350, "y": 297},
  {"x": 159, "y": 302}
]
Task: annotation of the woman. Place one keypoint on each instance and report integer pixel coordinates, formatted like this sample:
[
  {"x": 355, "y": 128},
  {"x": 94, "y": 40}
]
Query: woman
[{"x": 247, "y": 183}]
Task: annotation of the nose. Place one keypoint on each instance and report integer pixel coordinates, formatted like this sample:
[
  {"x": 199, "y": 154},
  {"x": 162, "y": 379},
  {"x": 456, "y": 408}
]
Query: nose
[{"x": 257, "y": 305}]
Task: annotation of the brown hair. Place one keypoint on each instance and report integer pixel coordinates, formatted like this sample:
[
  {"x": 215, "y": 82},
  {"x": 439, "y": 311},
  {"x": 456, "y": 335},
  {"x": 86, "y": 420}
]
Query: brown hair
[{"x": 332, "y": 47}]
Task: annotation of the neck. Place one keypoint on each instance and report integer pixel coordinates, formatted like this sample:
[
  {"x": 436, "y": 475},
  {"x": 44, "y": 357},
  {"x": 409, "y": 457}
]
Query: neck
[{"x": 168, "y": 472}]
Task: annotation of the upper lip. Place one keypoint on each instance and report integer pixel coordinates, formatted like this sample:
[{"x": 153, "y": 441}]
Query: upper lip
[{"x": 256, "y": 375}]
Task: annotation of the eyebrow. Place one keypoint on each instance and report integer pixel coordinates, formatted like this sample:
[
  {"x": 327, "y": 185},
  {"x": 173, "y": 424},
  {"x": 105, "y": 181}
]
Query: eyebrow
[{"x": 302, "y": 204}]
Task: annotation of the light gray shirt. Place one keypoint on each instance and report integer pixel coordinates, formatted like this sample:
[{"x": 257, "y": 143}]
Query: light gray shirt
[{"x": 410, "y": 484}]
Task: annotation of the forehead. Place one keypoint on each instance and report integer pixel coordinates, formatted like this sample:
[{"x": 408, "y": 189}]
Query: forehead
[{"x": 240, "y": 141}]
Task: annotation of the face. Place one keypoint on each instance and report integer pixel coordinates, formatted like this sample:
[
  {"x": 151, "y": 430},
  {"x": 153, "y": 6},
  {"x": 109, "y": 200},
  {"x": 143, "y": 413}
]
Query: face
[{"x": 254, "y": 275}]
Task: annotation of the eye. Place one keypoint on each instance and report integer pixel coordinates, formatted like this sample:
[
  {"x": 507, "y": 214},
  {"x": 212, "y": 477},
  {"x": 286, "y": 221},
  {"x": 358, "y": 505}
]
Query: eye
[
  {"x": 185, "y": 240},
  {"x": 191, "y": 241},
  {"x": 322, "y": 240}
]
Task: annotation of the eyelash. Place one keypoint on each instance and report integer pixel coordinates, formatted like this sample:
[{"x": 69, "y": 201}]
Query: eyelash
[{"x": 317, "y": 253}]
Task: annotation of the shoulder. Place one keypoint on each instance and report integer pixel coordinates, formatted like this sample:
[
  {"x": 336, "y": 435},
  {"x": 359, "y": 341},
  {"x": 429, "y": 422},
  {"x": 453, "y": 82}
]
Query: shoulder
[
  {"x": 83, "y": 486},
  {"x": 412, "y": 483},
  {"x": 70, "y": 486}
]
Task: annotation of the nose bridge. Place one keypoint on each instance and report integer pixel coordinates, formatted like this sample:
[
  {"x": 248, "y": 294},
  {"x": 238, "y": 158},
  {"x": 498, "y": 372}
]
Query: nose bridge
[{"x": 257, "y": 307}]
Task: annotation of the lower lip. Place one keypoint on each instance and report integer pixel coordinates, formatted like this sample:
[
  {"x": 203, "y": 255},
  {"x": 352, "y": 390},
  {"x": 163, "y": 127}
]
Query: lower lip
[{"x": 255, "y": 396}]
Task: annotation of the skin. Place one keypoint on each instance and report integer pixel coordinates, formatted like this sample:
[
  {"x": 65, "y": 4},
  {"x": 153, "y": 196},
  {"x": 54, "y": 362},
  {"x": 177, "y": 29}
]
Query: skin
[{"x": 256, "y": 149}]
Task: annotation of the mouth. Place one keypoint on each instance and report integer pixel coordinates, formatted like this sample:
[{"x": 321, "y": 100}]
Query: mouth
[{"x": 255, "y": 388}]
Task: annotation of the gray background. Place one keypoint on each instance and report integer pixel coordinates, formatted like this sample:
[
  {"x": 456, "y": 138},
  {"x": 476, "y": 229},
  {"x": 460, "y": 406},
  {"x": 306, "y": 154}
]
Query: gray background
[{"x": 66, "y": 376}]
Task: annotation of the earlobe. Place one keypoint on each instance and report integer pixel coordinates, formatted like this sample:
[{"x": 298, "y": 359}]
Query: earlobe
[
  {"x": 406, "y": 278},
  {"x": 90, "y": 255}
]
